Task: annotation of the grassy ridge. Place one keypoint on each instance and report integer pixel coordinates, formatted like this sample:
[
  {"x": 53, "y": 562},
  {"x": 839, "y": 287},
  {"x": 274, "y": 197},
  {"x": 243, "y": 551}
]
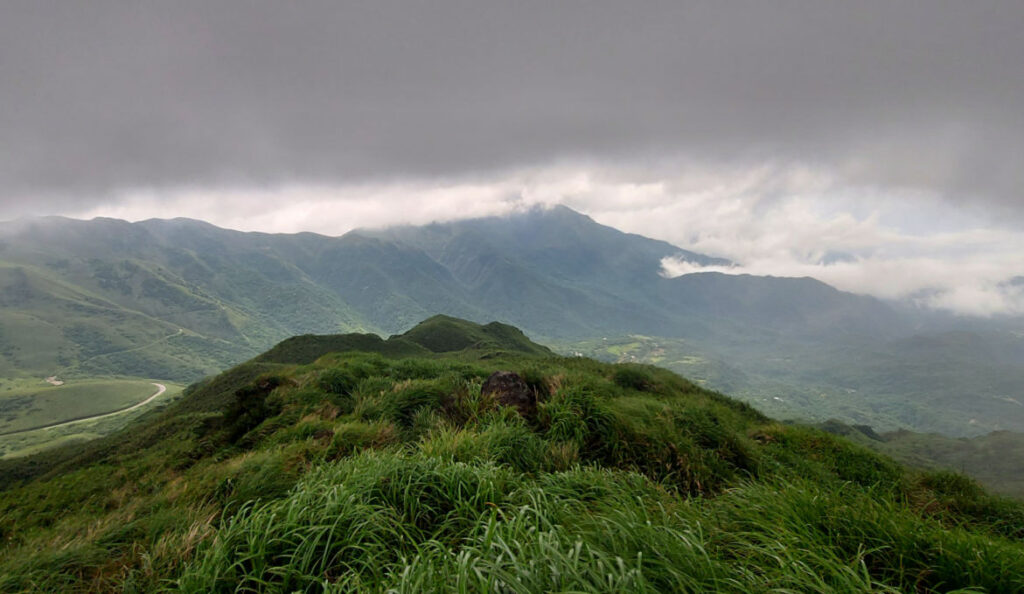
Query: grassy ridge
[{"x": 385, "y": 473}]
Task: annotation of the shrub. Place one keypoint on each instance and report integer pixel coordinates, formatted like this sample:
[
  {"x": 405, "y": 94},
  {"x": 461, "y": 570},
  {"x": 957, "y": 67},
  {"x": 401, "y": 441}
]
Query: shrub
[
  {"x": 249, "y": 407},
  {"x": 338, "y": 380},
  {"x": 633, "y": 377},
  {"x": 352, "y": 437}
]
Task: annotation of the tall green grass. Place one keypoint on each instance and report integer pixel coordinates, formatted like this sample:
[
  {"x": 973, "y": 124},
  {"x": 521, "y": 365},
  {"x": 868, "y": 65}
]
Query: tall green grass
[
  {"x": 361, "y": 473},
  {"x": 394, "y": 521}
]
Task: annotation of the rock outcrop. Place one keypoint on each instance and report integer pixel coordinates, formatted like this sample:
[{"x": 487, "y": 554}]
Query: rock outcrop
[{"x": 509, "y": 389}]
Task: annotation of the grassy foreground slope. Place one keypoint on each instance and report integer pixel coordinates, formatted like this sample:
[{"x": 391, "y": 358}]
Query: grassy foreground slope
[{"x": 376, "y": 470}]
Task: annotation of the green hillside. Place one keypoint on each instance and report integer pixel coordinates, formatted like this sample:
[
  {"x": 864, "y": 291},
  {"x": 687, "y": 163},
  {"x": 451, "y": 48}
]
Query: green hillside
[
  {"x": 376, "y": 470},
  {"x": 167, "y": 299},
  {"x": 995, "y": 460},
  {"x": 955, "y": 383},
  {"x": 444, "y": 334},
  {"x": 438, "y": 334}
]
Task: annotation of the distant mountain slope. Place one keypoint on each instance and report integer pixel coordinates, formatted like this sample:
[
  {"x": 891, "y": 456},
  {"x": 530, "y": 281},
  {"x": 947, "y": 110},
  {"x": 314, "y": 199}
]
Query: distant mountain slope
[
  {"x": 176, "y": 299},
  {"x": 559, "y": 274},
  {"x": 89, "y": 290},
  {"x": 180, "y": 299},
  {"x": 995, "y": 460}
]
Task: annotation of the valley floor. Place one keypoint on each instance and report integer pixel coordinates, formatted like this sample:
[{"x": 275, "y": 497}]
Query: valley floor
[{"x": 99, "y": 407}]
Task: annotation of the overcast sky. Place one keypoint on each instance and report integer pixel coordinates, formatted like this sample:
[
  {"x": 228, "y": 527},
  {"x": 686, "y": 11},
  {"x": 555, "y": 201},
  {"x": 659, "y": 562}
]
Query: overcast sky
[{"x": 876, "y": 145}]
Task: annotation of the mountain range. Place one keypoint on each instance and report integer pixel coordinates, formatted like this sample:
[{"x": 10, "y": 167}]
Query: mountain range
[{"x": 181, "y": 299}]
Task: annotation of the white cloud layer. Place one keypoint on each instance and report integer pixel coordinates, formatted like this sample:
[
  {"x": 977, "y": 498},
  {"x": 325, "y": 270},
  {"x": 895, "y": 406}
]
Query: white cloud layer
[{"x": 776, "y": 219}]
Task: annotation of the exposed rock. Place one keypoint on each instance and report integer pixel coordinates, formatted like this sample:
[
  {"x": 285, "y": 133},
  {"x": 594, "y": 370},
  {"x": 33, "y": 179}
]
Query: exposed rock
[{"x": 509, "y": 389}]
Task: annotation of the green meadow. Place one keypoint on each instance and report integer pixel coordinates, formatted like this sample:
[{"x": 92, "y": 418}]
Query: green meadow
[
  {"x": 26, "y": 407},
  {"x": 23, "y": 443}
]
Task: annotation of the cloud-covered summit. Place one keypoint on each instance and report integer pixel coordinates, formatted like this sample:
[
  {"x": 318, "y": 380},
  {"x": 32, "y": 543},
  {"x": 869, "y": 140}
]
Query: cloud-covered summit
[{"x": 770, "y": 133}]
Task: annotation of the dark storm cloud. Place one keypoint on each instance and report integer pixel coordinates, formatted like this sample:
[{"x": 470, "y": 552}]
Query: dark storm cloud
[{"x": 96, "y": 96}]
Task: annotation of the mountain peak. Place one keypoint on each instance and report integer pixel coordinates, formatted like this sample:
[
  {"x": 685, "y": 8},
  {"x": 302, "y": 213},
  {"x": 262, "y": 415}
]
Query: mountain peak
[
  {"x": 436, "y": 334},
  {"x": 558, "y": 211},
  {"x": 443, "y": 334}
]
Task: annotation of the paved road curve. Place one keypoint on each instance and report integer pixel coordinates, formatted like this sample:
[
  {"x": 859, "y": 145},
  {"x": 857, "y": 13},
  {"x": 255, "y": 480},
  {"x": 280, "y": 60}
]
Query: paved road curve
[{"x": 160, "y": 389}]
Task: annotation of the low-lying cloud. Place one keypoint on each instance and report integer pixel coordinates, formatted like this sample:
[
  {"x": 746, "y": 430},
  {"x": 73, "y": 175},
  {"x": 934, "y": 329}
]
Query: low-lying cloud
[
  {"x": 963, "y": 286},
  {"x": 772, "y": 220},
  {"x": 874, "y": 144}
]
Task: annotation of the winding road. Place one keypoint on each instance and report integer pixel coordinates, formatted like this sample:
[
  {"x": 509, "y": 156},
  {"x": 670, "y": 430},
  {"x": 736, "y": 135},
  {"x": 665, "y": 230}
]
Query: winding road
[
  {"x": 78, "y": 364},
  {"x": 160, "y": 389}
]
